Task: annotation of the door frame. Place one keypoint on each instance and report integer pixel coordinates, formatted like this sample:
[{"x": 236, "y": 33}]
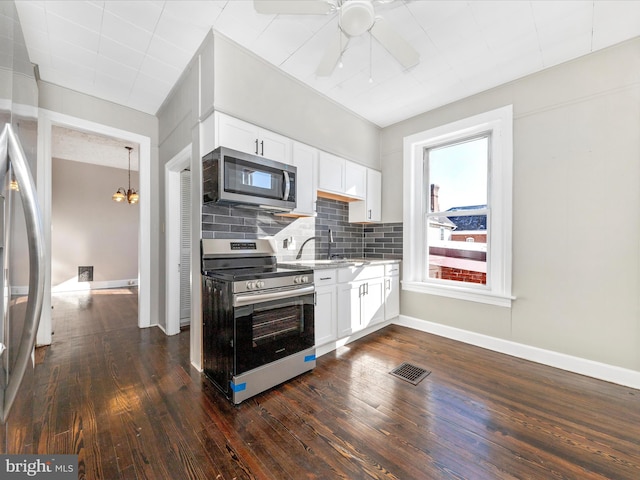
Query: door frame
[
  {"x": 47, "y": 119},
  {"x": 172, "y": 171}
]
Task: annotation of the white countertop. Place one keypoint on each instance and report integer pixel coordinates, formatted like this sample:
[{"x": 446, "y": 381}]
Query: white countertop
[{"x": 336, "y": 263}]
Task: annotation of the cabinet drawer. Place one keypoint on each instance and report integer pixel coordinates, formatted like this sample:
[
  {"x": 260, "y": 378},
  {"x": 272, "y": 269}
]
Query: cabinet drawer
[
  {"x": 324, "y": 277},
  {"x": 392, "y": 269},
  {"x": 355, "y": 274}
]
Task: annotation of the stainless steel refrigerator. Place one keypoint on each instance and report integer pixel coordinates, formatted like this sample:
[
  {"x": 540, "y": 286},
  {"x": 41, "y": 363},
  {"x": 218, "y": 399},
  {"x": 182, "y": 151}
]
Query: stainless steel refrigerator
[{"x": 21, "y": 237}]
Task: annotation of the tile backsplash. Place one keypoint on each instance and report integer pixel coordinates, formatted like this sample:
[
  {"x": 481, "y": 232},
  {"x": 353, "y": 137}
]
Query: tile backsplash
[{"x": 350, "y": 240}]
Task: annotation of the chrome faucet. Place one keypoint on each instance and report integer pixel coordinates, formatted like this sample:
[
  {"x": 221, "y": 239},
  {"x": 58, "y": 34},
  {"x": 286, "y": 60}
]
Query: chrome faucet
[
  {"x": 304, "y": 243},
  {"x": 330, "y": 243}
]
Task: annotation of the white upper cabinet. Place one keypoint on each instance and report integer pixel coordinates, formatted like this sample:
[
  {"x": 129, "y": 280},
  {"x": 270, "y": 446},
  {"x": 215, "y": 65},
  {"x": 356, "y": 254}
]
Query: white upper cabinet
[
  {"x": 331, "y": 173},
  {"x": 305, "y": 159},
  {"x": 341, "y": 178},
  {"x": 245, "y": 137},
  {"x": 370, "y": 209},
  {"x": 355, "y": 180},
  {"x": 274, "y": 146}
]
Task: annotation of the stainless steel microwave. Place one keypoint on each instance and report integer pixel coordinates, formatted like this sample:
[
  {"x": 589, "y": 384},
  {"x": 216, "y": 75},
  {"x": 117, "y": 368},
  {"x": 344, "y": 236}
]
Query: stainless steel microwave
[{"x": 230, "y": 177}]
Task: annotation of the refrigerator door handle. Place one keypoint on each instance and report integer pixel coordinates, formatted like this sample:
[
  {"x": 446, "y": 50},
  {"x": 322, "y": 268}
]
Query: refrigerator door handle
[{"x": 10, "y": 146}]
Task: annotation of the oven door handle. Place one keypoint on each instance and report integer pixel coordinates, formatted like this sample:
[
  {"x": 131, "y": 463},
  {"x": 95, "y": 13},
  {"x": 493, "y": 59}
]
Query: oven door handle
[{"x": 249, "y": 299}]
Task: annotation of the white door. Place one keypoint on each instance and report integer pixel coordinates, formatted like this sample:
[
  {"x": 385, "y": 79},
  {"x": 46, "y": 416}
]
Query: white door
[{"x": 185, "y": 247}]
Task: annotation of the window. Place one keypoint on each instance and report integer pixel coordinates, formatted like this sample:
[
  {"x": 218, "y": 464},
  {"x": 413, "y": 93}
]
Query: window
[
  {"x": 456, "y": 175},
  {"x": 457, "y": 209}
]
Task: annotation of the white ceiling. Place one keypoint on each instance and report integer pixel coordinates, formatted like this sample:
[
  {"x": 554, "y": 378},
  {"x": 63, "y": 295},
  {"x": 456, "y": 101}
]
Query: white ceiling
[
  {"x": 132, "y": 52},
  {"x": 68, "y": 144}
]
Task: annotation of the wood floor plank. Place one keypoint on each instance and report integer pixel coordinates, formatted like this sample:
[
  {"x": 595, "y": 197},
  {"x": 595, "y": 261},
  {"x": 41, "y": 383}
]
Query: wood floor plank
[{"x": 129, "y": 403}]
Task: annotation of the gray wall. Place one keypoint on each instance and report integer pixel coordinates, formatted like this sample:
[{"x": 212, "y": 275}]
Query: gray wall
[
  {"x": 255, "y": 91},
  {"x": 87, "y": 227},
  {"x": 576, "y": 209}
]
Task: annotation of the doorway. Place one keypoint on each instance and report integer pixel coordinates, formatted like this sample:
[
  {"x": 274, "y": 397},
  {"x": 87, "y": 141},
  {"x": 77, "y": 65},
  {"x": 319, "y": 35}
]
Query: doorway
[
  {"x": 178, "y": 248},
  {"x": 49, "y": 119}
]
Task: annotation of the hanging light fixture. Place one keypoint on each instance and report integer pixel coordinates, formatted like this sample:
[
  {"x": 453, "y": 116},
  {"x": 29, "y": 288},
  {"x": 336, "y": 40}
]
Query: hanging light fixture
[{"x": 130, "y": 195}]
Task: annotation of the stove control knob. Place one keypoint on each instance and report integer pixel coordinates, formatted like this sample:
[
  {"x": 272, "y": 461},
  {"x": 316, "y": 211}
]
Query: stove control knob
[
  {"x": 251, "y": 285},
  {"x": 259, "y": 284},
  {"x": 296, "y": 279},
  {"x": 305, "y": 279}
]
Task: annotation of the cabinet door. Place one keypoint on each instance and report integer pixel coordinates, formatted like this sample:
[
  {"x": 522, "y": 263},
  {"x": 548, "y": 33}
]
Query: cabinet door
[
  {"x": 392, "y": 297},
  {"x": 304, "y": 158},
  {"x": 374, "y": 195},
  {"x": 355, "y": 178},
  {"x": 369, "y": 209},
  {"x": 274, "y": 147},
  {"x": 373, "y": 302},
  {"x": 331, "y": 173},
  {"x": 325, "y": 315},
  {"x": 236, "y": 134},
  {"x": 348, "y": 309}
]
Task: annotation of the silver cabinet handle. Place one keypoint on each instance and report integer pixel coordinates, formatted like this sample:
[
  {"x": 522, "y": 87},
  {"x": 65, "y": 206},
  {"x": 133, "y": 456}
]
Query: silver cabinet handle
[{"x": 10, "y": 146}]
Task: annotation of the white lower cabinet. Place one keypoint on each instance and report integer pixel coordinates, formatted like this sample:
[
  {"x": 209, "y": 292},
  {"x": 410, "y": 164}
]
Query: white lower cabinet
[
  {"x": 326, "y": 307},
  {"x": 350, "y": 299},
  {"x": 391, "y": 291},
  {"x": 360, "y": 298}
]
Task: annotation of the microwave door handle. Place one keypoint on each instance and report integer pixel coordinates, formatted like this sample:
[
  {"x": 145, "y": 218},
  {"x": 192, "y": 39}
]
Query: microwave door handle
[{"x": 287, "y": 185}]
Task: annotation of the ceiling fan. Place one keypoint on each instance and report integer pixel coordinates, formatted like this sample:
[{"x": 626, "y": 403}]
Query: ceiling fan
[{"x": 355, "y": 17}]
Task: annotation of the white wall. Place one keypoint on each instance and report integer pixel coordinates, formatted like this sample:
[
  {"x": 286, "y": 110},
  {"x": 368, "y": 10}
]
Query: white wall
[{"x": 576, "y": 209}]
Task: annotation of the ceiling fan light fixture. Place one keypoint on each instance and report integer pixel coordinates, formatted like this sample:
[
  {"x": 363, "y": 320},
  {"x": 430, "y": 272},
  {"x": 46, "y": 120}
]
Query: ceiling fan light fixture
[{"x": 357, "y": 17}]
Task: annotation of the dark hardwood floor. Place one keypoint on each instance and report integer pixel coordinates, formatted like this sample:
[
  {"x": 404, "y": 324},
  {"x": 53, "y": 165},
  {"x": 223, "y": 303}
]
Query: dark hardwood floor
[{"x": 130, "y": 405}]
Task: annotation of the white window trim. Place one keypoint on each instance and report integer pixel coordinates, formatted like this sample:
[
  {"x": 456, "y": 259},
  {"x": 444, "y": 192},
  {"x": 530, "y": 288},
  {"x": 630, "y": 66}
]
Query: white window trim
[{"x": 500, "y": 123}]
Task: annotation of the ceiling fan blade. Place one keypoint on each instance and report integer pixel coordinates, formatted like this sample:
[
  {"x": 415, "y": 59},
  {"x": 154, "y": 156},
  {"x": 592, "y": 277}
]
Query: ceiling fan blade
[
  {"x": 332, "y": 54},
  {"x": 293, "y": 7},
  {"x": 394, "y": 43}
]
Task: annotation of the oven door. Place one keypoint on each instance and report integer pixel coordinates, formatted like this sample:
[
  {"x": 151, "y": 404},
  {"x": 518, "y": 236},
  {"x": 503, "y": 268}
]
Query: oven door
[{"x": 271, "y": 326}]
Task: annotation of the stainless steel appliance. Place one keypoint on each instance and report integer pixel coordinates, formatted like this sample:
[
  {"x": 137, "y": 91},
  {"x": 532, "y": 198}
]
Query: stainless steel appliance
[
  {"x": 230, "y": 177},
  {"x": 258, "y": 325},
  {"x": 21, "y": 239}
]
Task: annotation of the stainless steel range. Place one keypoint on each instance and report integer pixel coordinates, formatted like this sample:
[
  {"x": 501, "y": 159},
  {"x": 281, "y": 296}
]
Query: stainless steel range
[{"x": 258, "y": 326}]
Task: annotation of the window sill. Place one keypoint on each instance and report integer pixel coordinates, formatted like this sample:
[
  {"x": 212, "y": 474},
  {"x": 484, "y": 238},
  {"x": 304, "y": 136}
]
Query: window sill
[{"x": 460, "y": 293}]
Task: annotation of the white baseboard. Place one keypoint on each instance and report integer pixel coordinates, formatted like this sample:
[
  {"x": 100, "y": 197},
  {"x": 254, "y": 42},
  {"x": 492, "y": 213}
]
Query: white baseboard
[
  {"x": 85, "y": 286},
  {"x": 601, "y": 371}
]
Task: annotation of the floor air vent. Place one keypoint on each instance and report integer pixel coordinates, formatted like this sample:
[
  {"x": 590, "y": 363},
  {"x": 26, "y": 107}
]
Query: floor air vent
[{"x": 410, "y": 373}]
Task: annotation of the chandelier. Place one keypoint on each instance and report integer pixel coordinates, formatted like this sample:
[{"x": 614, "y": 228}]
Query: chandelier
[{"x": 130, "y": 195}]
